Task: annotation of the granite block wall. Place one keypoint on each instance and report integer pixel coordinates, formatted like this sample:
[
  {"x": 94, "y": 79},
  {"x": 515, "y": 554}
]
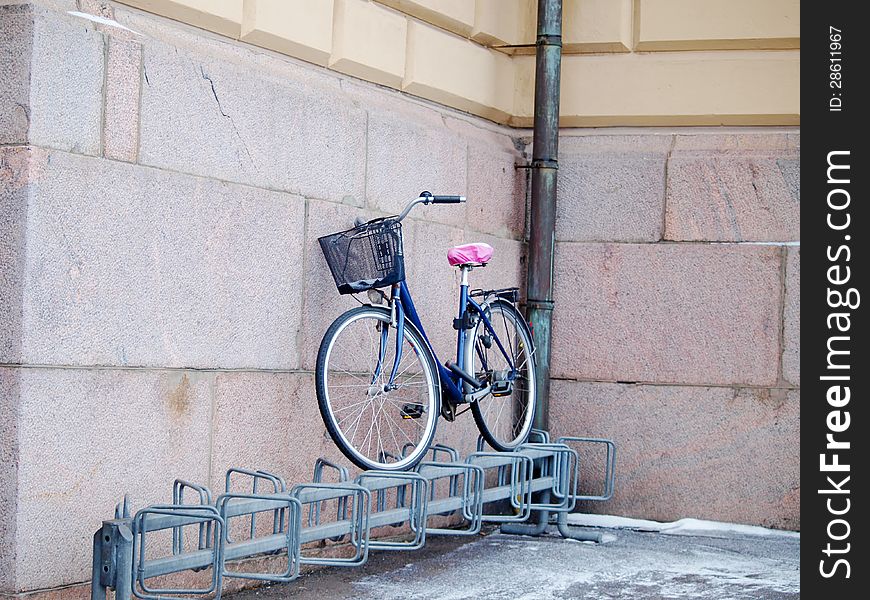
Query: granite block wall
[
  {"x": 161, "y": 288},
  {"x": 677, "y": 319}
]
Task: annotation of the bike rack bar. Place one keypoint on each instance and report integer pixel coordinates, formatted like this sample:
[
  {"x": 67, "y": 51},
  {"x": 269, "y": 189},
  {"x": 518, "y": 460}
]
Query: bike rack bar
[
  {"x": 379, "y": 482},
  {"x": 278, "y": 486},
  {"x": 540, "y": 476},
  {"x": 519, "y": 489},
  {"x": 451, "y": 456},
  {"x": 538, "y": 436},
  {"x": 610, "y": 466},
  {"x": 469, "y": 499},
  {"x": 314, "y": 510},
  {"x": 187, "y": 513},
  {"x": 289, "y": 506},
  {"x": 562, "y": 463},
  {"x": 204, "y": 493},
  {"x": 358, "y": 503}
]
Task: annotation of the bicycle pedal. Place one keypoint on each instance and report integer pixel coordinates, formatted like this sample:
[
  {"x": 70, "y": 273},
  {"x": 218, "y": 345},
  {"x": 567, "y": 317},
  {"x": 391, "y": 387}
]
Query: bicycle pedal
[
  {"x": 501, "y": 388},
  {"x": 412, "y": 411}
]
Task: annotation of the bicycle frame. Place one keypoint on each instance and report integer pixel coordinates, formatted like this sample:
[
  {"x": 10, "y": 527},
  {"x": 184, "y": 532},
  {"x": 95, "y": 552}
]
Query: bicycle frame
[{"x": 402, "y": 307}]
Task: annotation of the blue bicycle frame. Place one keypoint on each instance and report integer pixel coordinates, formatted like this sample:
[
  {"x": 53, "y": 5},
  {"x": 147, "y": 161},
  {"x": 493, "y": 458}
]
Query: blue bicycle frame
[{"x": 451, "y": 383}]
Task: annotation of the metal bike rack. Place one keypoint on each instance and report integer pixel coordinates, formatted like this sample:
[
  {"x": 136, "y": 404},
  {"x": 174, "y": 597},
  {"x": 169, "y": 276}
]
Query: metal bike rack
[{"x": 540, "y": 477}]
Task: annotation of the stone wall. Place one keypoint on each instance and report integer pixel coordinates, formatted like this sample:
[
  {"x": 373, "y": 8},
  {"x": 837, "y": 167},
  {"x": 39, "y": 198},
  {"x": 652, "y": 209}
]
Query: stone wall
[
  {"x": 677, "y": 319},
  {"x": 162, "y": 294},
  {"x": 161, "y": 289}
]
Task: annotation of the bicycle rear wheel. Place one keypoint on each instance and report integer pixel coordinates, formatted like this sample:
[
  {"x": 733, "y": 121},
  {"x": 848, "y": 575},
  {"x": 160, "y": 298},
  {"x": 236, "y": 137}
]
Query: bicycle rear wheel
[
  {"x": 504, "y": 417},
  {"x": 377, "y": 425}
]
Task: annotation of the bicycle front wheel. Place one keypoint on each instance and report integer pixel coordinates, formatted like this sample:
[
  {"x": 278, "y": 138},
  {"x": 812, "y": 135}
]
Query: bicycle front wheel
[
  {"x": 375, "y": 422},
  {"x": 504, "y": 417}
]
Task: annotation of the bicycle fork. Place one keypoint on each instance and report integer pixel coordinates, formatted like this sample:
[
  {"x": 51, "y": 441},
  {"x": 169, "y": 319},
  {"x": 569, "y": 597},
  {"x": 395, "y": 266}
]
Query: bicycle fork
[{"x": 397, "y": 320}]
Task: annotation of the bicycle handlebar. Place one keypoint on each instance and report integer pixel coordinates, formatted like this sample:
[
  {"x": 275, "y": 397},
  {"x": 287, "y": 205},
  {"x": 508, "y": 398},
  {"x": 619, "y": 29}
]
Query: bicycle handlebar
[
  {"x": 427, "y": 198},
  {"x": 447, "y": 199}
]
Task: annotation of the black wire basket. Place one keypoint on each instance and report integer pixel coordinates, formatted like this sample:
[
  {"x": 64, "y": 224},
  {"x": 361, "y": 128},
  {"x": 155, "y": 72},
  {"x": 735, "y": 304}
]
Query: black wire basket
[{"x": 365, "y": 257}]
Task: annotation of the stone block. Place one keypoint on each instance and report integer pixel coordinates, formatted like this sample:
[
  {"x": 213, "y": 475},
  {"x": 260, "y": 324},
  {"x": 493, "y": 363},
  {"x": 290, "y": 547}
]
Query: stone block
[
  {"x": 572, "y": 143},
  {"x": 159, "y": 269},
  {"x": 300, "y": 28},
  {"x": 9, "y": 466},
  {"x": 705, "y": 452},
  {"x": 453, "y": 15},
  {"x": 667, "y": 313},
  {"x": 496, "y": 190},
  {"x": 369, "y": 42},
  {"x": 406, "y": 157},
  {"x": 597, "y": 26},
  {"x": 98, "y": 8},
  {"x": 610, "y": 199},
  {"x": 484, "y": 86},
  {"x": 718, "y": 24},
  {"x": 15, "y": 172},
  {"x": 600, "y": 26},
  {"x": 740, "y": 143},
  {"x": 236, "y": 120},
  {"x": 103, "y": 13},
  {"x": 434, "y": 284},
  {"x": 323, "y": 303},
  {"x": 611, "y": 188},
  {"x": 123, "y": 74},
  {"x": 16, "y": 48},
  {"x": 714, "y": 196},
  {"x": 220, "y": 16},
  {"x": 51, "y": 79},
  {"x": 497, "y": 23},
  {"x": 791, "y": 352},
  {"x": 670, "y": 88},
  {"x": 267, "y": 421},
  {"x": 88, "y": 436},
  {"x": 506, "y": 269},
  {"x": 791, "y": 173}
]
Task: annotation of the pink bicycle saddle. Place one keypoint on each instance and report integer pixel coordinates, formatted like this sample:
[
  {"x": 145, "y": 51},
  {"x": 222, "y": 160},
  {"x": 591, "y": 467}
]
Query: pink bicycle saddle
[{"x": 470, "y": 254}]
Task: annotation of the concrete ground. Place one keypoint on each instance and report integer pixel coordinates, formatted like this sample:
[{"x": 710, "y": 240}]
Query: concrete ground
[{"x": 630, "y": 564}]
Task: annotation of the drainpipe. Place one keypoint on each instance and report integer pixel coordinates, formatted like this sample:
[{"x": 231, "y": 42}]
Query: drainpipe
[{"x": 542, "y": 217}]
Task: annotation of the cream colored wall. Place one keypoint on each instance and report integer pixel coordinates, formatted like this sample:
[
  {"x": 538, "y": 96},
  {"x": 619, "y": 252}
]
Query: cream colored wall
[{"x": 626, "y": 62}]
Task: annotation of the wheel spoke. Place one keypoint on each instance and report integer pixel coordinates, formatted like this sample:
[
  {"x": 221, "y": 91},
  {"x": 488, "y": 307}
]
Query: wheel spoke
[
  {"x": 365, "y": 413},
  {"x": 506, "y": 419}
]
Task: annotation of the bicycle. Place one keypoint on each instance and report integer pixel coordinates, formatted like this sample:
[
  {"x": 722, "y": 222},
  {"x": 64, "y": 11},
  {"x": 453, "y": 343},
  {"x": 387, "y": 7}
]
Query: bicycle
[{"x": 380, "y": 386}]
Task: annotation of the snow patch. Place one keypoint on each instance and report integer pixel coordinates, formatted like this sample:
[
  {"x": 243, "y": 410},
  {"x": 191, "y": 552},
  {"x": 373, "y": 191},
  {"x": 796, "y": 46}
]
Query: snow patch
[
  {"x": 681, "y": 527},
  {"x": 100, "y": 20},
  {"x": 645, "y": 567}
]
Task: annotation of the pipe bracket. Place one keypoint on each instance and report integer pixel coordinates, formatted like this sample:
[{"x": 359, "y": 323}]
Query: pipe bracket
[
  {"x": 540, "y": 304},
  {"x": 544, "y": 163},
  {"x": 549, "y": 39}
]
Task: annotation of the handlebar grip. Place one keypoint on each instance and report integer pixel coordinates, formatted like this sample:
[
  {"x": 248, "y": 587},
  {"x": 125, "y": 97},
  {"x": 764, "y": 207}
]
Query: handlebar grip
[{"x": 447, "y": 199}]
